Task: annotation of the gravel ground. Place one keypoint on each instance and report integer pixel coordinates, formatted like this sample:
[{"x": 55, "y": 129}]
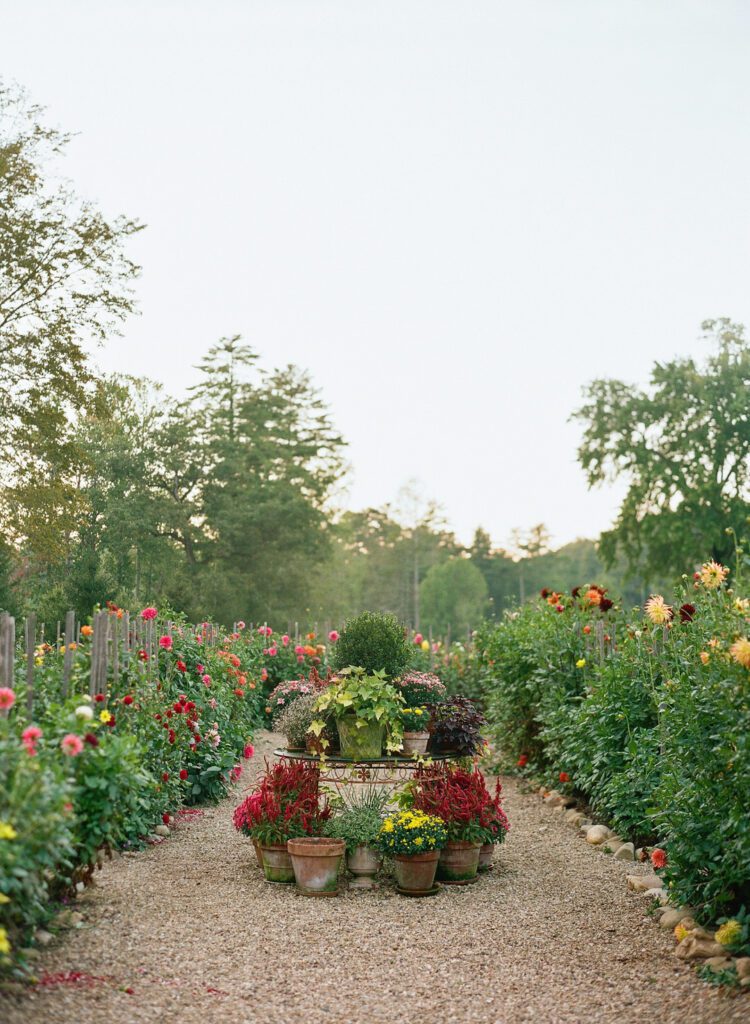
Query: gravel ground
[{"x": 551, "y": 935}]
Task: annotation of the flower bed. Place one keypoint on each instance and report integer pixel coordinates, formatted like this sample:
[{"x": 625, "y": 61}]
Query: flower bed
[
  {"x": 84, "y": 775},
  {"x": 644, "y": 715}
]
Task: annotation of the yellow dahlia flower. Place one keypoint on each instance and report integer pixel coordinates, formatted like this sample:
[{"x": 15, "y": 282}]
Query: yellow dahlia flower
[
  {"x": 658, "y": 610},
  {"x": 713, "y": 575},
  {"x": 740, "y": 651}
]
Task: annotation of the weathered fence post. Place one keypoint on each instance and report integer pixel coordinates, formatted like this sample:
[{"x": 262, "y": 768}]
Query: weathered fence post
[
  {"x": 7, "y": 649},
  {"x": 30, "y": 641},
  {"x": 70, "y": 630}
]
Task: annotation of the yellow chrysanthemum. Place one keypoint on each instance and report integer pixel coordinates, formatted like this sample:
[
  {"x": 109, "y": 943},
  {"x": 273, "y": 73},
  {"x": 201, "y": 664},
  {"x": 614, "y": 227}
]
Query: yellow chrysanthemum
[
  {"x": 740, "y": 651},
  {"x": 4, "y": 944},
  {"x": 713, "y": 575},
  {"x": 680, "y": 932},
  {"x": 581, "y": 663},
  {"x": 658, "y": 610},
  {"x": 105, "y": 717},
  {"x": 7, "y": 831},
  {"x": 729, "y": 932},
  {"x": 418, "y": 841},
  {"x": 388, "y": 825},
  {"x": 742, "y": 605},
  {"x": 425, "y": 645}
]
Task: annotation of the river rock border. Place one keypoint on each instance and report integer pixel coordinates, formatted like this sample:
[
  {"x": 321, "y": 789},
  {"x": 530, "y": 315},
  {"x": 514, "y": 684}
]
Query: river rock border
[{"x": 694, "y": 943}]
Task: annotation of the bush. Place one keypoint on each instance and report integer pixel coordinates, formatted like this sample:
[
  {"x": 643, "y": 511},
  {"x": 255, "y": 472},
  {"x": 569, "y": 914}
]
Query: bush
[{"x": 375, "y": 642}]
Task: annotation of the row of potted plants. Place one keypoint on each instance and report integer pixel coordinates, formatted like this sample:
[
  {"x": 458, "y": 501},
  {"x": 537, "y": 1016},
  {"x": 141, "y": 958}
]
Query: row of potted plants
[{"x": 445, "y": 827}]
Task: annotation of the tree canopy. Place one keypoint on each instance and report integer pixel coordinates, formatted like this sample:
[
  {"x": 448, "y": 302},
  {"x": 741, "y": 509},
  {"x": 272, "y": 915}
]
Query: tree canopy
[{"x": 683, "y": 445}]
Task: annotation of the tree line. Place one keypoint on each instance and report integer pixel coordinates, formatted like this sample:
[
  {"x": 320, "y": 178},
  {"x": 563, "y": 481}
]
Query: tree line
[{"x": 222, "y": 502}]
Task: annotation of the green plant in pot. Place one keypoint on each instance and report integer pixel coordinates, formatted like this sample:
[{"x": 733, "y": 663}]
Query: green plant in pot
[
  {"x": 367, "y": 711},
  {"x": 358, "y": 824},
  {"x": 416, "y": 723},
  {"x": 296, "y": 719},
  {"x": 375, "y": 642},
  {"x": 414, "y": 840}
]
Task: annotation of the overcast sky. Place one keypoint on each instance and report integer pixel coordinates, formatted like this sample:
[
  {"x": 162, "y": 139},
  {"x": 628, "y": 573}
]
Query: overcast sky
[{"x": 454, "y": 212}]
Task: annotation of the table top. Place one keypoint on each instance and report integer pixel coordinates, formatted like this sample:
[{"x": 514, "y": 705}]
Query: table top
[{"x": 385, "y": 759}]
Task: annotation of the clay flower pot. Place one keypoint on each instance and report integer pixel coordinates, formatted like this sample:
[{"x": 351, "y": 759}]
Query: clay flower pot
[
  {"x": 458, "y": 862},
  {"x": 360, "y": 742},
  {"x": 316, "y": 862},
  {"x": 415, "y": 742},
  {"x": 416, "y": 873},
  {"x": 485, "y": 856},
  {"x": 277, "y": 865},
  {"x": 364, "y": 863}
]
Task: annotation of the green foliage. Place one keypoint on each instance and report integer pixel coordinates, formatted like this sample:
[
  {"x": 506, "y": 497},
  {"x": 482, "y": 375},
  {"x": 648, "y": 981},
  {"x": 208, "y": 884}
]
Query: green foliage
[
  {"x": 370, "y": 698},
  {"x": 684, "y": 448},
  {"x": 34, "y": 802},
  {"x": 375, "y": 642},
  {"x": 650, "y": 723},
  {"x": 360, "y": 821},
  {"x": 453, "y": 597}
]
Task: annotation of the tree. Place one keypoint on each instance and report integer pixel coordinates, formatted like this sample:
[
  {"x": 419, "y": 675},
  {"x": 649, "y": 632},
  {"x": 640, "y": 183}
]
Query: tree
[
  {"x": 453, "y": 596},
  {"x": 64, "y": 283},
  {"x": 683, "y": 445}
]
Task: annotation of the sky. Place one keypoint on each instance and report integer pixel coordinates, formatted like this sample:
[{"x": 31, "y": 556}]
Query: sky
[{"x": 454, "y": 213}]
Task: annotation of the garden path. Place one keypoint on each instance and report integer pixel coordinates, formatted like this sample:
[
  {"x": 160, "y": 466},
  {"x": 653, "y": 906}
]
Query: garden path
[{"x": 188, "y": 931}]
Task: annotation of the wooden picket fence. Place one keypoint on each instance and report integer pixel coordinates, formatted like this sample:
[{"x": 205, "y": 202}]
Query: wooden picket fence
[{"x": 114, "y": 642}]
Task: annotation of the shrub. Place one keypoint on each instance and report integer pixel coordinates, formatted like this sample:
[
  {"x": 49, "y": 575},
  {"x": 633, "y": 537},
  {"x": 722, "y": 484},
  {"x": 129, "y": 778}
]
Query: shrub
[{"x": 375, "y": 642}]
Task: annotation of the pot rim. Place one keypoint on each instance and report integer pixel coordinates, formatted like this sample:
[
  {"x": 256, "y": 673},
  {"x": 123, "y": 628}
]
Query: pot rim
[
  {"x": 462, "y": 844},
  {"x": 315, "y": 846},
  {"x": 419, "y": 857},
  {"x": 272, "y": 846},
  {"x": 416, "y": 735}
]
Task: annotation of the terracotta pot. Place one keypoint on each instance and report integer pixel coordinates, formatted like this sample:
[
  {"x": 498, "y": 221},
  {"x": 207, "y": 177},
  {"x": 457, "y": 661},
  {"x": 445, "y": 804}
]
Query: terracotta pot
[
  {"x": 277, "y": 865},
  {"x": 364, "y": 863},
  {"x": 415, "y": 742},
  {"x": 316, "y": 862},
  {"x": 416, "y": 873},
  {"x": 485, "y": 856},
  {"x": 360, "y": 740},
  {"x": 258, "y": 854},
  {"x": 458, "y": 862}
]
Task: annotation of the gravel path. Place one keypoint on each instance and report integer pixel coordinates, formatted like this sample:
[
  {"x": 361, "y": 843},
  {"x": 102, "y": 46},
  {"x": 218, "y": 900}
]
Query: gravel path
[{"x": 190, "y": 927}]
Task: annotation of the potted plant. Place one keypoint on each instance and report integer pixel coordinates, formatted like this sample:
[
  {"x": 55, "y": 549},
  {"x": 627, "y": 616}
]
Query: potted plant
[
  {"x": 375, "y": 642},
  {"x": 295, "y": 720},
  {"x": 463, "y": 802},
  {"x": 358, "y": 825},
  {"x": 414, "y": 840},
  {"x": 415, "y": 722},
  {"x": 421, "y": 688},
  {"x": 366, "y": 709},
  {"x": 455, "y": 727},
  {"x": 284, "y": 806}
]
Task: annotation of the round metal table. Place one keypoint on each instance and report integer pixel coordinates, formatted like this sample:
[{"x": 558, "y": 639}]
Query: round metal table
[{"x": 385, "y": 772}]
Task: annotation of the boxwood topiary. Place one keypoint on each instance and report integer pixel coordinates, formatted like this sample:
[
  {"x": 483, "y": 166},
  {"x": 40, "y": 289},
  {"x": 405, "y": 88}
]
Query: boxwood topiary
[{"x": 374, "y": 641}]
